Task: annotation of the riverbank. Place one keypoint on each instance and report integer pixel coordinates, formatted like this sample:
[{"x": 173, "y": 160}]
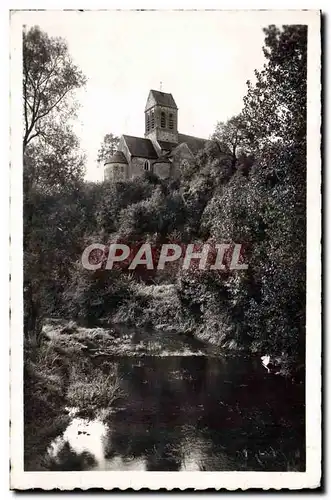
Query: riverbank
[
  {"x": 79, "y": 385},
  {"x": 62, "y": 373},
  {"x": 191, "y": 310},
  {"x": 74, "y": 368}
]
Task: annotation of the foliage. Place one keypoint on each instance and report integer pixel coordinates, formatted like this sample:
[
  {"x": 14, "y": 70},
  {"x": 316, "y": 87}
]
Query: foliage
[
  {"x": 275, "y": 106},
  {"x": 52, "y": 167},
  {"x": 49, "y": 77},
  {"x": 247, "y": 186},
  {"x": 92, "y": 389},
  {"x": 92, "y": 296},
  {"x": 108, "y": 147},
  {"x": 231, "y": 135}
]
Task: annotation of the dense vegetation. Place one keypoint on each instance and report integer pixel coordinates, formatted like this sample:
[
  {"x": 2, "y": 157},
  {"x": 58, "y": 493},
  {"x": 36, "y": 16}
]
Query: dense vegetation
[{"x": 247, "y": 186}]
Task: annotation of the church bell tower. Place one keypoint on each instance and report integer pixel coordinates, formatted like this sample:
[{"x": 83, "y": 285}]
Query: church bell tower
[{"x": 161, "y": 118}]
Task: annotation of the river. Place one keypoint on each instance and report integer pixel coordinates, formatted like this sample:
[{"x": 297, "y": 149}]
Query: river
[{"x": 191, "y": 412}]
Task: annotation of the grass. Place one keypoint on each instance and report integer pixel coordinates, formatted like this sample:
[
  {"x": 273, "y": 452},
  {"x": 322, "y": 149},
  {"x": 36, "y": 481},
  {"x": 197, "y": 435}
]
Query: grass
[
  {"x": 59, "y": 374},
  {"x": 45, "y": 380},
  {"x": 92, "y": 390}
]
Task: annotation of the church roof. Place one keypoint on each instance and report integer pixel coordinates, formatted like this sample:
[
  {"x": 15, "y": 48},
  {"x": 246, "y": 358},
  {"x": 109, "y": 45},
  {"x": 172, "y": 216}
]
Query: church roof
[
  {"x": 140, "y": 147},
  {"x": 118, "y": 157},
  {"x": 144, "y": 148},
  {"x": 167, "y": 146},
  {"x": 163, "y": 99},
  {"x": 162, "y": 159},
  {"x": 194, "y": 143}
]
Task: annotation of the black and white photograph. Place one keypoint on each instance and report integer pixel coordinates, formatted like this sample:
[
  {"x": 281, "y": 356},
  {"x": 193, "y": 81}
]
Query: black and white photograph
[{"x": 165, "y": 240}]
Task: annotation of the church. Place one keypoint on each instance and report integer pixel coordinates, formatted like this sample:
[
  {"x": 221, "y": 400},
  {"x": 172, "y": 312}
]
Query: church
[{"x": 162, "y": 151}]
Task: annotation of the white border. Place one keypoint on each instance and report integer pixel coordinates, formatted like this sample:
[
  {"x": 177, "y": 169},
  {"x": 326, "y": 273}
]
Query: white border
[{"x": 169, "y": 480}]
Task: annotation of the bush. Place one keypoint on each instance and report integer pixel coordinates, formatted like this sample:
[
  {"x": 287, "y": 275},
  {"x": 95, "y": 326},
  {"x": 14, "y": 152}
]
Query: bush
[{"x": 94, "y": 295}]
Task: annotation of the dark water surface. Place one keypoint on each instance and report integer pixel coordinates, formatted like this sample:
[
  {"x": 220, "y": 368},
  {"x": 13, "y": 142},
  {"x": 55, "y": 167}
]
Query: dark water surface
[{"x": 190, "y": 413}]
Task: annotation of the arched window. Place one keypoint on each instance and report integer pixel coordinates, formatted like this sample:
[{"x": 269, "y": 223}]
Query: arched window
[
  {"x": 146, "y": 165},
  {"x": 171, "y": 121},
  {"x": 147, "y": 123},
  {"x": 152, "y": 120},
  {"x": 163, "y": 119}
]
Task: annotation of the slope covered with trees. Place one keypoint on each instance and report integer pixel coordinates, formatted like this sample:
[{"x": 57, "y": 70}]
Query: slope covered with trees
[{"x": 248, "y": 186}]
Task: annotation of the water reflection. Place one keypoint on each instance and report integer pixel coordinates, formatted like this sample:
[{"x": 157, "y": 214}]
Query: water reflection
[{"x": 190, "y": 413}]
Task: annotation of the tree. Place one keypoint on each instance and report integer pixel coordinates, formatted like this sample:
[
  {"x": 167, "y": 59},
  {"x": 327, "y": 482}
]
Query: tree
[
  {"x": 275, "y": 107},
  {"x": 52, "y": 164},
  {"x": 231, "y": 134},
  {"x": 263, "y": 206},
  {"x": 275, "y": 116},
  {"x": 50, "y": 148},
  {"x": 108, "y": 147},
  {"x": 49, "y": 78},
  {"x": 275, "y": 112}
]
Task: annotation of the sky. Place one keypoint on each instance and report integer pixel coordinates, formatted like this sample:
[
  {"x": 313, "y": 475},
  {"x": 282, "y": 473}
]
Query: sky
[{"x": 203, "y": 58}]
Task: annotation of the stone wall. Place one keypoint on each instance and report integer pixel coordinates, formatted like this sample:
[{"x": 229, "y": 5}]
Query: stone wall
[
  {"x": 163, "y": 134},
  {"x": 115, "y": 172},
  {"x": 137, "y": 167},
  {"x": 162, "y": 169},
  {"x": 180, "y": 155}
]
